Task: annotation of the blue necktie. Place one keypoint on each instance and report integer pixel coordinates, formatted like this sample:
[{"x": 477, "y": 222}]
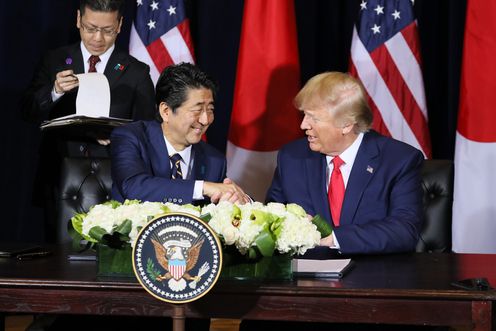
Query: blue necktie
[{"x": 176, "y": 172}]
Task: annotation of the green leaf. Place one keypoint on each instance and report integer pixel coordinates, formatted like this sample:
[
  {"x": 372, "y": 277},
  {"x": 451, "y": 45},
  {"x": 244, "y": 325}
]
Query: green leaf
[
  {"x": 77, "y": 222},
  {"x": 151, "y": 270},
  {"x": 206, "y": 217},
  {"x": 125, "y": 227},
  {"x": 260, "y": 217},
  {"x": 296, "y": 209},
  {"x": 113, "y": 203},
  {"x": 252, "y": 253},
  {"x": 97, "y": 233},
  {"x": 276, "y": 226},
  {"x": 265, "y": 242},
  {"x": 323, "y": 226}
]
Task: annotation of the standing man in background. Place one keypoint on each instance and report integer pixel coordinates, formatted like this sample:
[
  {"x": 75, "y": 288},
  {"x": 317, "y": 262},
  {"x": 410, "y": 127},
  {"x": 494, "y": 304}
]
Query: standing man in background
[{"x": 53, "y": 91}]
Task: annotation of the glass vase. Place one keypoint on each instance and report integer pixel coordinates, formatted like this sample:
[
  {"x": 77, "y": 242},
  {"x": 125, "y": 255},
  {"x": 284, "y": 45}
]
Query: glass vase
[
  {"x": 115, "y": 262},
  {"x": 237, "y": 266}
]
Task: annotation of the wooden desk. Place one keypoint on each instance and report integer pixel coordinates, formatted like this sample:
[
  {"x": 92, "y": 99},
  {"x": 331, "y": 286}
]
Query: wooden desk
[{"x": 396, "y": 289}]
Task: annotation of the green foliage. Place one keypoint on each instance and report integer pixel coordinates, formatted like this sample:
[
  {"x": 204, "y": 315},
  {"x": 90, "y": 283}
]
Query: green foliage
[{"x": 153, "y": 272}]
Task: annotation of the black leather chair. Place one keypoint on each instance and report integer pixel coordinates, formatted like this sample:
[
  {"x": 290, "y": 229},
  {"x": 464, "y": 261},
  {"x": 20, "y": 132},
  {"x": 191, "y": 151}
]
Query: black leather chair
[
  {"x": 437, "y": 183},
  {"x": 85, "y": 182}
]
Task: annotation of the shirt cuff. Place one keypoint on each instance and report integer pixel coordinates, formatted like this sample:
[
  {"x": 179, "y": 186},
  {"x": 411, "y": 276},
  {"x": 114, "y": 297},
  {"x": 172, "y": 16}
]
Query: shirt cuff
[
  {"x": 55, "y": 95},
  {"x": 335, "y": 241},
  {"x": 198, "y": 190}
]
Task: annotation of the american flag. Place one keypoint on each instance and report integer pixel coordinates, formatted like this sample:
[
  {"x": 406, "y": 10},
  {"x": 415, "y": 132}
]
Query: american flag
[
  {"x": 160, "y": 35},
  {"x": 385, "y": 56}
]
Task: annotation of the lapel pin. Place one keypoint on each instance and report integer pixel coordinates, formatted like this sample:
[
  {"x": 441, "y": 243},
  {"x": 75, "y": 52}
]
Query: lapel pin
[
  {"x": 119, "y": 67},
  {"x": 68, "y": 60},
  {"x": 370, "y": 169}
]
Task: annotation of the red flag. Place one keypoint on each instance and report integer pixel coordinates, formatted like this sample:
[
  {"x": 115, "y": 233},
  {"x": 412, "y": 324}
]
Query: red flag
[
  {"x": 385, "y": 56},
  {"x": 160, "y": 35},
  {"x": 263, "y": 116},
  {"x": 474, "y": 211}
]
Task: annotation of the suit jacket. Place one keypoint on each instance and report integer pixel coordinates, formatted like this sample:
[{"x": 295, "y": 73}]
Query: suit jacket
[
  {"x": 141, "y": 167},
  {"x": 131, "y": 88},
  {"x": 382, "y": 207}
]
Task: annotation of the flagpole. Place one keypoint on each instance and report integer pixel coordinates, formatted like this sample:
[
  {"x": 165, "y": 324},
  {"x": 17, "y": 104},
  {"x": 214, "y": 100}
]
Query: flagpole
[{"x": 178, "y": 317}]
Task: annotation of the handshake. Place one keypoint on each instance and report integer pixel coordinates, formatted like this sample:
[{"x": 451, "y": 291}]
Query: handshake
[{"x": 225, "y": 191}]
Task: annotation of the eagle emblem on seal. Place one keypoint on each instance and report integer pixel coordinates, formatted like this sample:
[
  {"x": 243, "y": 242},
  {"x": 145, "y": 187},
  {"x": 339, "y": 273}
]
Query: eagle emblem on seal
[{"x": 178, "y": 258}]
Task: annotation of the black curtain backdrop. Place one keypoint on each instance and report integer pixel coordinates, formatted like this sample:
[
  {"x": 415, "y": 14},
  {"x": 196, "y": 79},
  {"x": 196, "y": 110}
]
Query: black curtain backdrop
[{"x": 29, "y": 28}]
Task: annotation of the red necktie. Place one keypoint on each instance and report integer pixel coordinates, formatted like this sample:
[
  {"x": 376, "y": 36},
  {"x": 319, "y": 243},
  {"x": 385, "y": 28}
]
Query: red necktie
[
  {"x": 335, "y": 193},
  {"x": 93, "y": 61}
]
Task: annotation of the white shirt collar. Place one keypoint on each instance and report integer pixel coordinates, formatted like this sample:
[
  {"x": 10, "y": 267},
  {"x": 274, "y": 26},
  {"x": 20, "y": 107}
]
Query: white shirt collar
[
  {"x": 104, "y": 58},
  {"x": 348, "y": 156}
]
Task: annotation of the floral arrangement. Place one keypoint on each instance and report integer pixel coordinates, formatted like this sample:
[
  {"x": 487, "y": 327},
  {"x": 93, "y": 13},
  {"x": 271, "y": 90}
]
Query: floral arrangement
[{"x": 254, "y": 229}]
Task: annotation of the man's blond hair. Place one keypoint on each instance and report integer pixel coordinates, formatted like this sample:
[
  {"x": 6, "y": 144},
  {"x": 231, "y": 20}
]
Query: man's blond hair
[{"x": 341, "y": 94}]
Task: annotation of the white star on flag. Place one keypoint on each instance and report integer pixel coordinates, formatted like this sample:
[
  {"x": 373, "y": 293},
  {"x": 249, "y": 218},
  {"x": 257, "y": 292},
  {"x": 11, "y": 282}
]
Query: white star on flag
[
  {"x": 154, "y": 5},
  {"x": 379, "y": 10},
  {"x": 363, "y": 5},
  {"x": 151, "y": 24},
  {"x": 385, "y": 57},
  {"x": 139, "y": 2},
  {"x": 172, "y": 10}
]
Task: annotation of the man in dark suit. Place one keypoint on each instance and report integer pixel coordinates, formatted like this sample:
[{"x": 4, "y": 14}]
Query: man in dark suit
[
  {"x": 53, "y": 90},
  {"x": 52, "y": 94},
  {"x": 165, "y": 159},
  {"x": 373, "y": 198}
]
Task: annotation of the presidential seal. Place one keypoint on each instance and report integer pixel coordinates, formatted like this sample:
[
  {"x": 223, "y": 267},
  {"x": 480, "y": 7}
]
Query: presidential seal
[{"x": 177, "y": 258}]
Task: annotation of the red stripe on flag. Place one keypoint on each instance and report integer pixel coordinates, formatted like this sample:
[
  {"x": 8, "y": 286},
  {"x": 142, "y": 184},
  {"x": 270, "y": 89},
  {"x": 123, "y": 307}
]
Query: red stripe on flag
[
  {"x": 159, "y": 54},
  {"x": 410, "y": 34},
  {"x": 184, "y": 29},
  {"x": 402, "y": 96},
  {"x": 378, "y": 123}
]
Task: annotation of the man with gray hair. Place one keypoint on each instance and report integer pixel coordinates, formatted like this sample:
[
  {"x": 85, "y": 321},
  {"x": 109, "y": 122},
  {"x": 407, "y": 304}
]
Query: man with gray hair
[{"x": 366, "y": 185}]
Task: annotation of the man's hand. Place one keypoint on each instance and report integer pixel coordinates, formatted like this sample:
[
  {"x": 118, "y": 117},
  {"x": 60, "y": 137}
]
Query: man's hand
[
  {"x": 65, "y": 81},
  {"x": 226, "y": 191},
  {"x": 327, "y": 241}
]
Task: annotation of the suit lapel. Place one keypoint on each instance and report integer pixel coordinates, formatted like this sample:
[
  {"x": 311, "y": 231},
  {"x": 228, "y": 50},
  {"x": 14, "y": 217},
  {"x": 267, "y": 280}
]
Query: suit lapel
[
  {"x": 362, "y": 172},
  {"x": 160, "y": 152},
  {"x": 77, "y": 58},
  {"x": 316, "y": 173},
  {"x": 116, "y": 66},
  {"x": 200, "y": 162}
]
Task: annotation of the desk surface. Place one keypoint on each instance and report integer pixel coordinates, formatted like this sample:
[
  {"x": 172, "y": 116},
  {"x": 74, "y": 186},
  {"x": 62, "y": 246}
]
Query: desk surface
[{"x": 404, "y": 288}]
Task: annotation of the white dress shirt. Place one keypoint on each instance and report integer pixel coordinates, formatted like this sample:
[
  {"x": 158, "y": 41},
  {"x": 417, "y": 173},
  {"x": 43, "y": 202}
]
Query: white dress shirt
[
  {"x": 348, "y": 156},
  {"x": 187, "y": 162}
]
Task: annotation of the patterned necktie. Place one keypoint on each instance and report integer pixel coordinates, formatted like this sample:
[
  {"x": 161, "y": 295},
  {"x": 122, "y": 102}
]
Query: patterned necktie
[
  {"x": 176, "y": 166},
  {"x": 335, "y": 192},
  {"x": 93, "y": 61}
]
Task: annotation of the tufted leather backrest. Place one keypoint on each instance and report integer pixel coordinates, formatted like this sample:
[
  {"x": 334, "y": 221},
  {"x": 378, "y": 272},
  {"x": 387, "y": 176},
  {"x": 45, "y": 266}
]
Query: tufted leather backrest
[
  {"x": 437, "y": 184},
  {"x": 84, "y": 182}
]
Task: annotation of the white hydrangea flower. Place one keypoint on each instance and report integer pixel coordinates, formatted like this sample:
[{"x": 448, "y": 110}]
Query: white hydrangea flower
[
  {"x": 222, "y": 221},
  {"x": 100, "y": 215},
  {"x": 189, "y": 209},
  {"x": 297, "y": 235}
]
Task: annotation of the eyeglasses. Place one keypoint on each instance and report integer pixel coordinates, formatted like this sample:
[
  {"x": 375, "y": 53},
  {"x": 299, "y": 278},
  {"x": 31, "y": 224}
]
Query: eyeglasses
[{"x": 107, "y": 32}]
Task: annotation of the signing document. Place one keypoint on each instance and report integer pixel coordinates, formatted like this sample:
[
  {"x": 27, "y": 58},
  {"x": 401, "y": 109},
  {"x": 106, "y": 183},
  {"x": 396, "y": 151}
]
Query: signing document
[{"x": 93, "y": 98}]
